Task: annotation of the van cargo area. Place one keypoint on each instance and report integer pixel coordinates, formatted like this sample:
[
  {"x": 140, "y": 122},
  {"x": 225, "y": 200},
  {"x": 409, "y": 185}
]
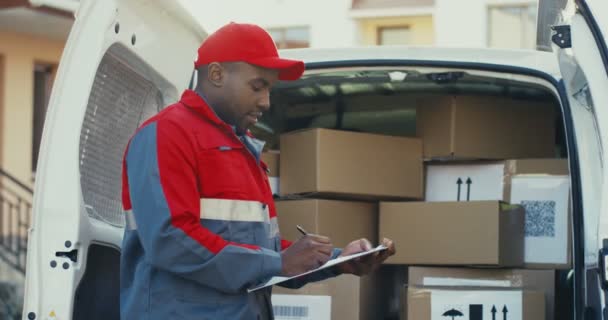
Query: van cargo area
[{"x": 489, "y": 189}]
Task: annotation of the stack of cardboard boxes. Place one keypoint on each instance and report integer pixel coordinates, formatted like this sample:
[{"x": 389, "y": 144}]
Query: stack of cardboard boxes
[
  {"x": 476, "y": 205},
  {"x": 338, "y": 179}
]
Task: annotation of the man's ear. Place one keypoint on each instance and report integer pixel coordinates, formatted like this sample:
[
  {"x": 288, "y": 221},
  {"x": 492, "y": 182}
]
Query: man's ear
[{"x": 216, "y": 74}]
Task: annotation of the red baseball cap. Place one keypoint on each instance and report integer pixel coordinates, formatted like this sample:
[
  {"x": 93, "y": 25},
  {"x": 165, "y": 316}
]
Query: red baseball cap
[{"x": 247, "y": 43}]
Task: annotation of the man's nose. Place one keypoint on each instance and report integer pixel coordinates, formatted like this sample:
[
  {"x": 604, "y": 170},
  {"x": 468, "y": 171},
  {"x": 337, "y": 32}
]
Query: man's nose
[{"x": 264, "y": 102}]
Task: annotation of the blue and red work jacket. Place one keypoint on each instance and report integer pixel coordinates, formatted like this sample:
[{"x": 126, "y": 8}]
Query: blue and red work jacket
[{"x": 201, "y": 220}]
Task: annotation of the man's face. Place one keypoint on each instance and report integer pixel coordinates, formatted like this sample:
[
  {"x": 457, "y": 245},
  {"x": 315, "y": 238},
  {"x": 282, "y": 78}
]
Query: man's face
[{"x": 246, "y": 90}]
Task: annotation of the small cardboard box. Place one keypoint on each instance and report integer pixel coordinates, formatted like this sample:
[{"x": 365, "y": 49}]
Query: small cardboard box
[
  {"x": 349, "y": 165},
  {"x": 483, "y": 180},
  {"x": 328, "y": 218},
  {"x": 477, "y": 127},
  {"x": 351, "y": 297},
  {"x": 454, "y": 233},
  {"x": 271, "y": 159},
  {"x": 536, "y": 280},
  {"x": 474, "y": 304}
]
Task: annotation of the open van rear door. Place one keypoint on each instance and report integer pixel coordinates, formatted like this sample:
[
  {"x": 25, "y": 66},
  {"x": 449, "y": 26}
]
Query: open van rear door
[
  {"x": 579, "y": 41},
  {"x": 124, "y": 60}
]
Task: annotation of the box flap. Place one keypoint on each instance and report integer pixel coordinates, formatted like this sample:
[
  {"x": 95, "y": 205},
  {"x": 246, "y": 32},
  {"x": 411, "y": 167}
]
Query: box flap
[{"x": 537, "y": 166}]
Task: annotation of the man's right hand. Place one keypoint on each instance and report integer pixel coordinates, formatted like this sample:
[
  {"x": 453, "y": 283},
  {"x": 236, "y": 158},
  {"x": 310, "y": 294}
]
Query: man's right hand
[{"x": 309, "y": 252}]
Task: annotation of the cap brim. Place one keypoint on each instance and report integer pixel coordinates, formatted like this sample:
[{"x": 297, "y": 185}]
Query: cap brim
[{"x": 288, "y": 69}]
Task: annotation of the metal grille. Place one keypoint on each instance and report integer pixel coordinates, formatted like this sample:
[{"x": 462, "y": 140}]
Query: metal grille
[{"x": 120, "y": 100}]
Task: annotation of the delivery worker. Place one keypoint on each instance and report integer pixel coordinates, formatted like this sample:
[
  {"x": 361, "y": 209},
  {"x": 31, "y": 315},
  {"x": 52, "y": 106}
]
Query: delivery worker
[{"x": 201, "y": 221}]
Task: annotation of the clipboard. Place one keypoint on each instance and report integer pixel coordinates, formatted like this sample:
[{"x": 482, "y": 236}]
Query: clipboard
[{"x": 328, "y": 264}]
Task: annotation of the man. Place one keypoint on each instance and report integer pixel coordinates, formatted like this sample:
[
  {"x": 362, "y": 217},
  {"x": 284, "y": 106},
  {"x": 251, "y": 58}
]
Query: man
[{"x": 201, "y": 221}]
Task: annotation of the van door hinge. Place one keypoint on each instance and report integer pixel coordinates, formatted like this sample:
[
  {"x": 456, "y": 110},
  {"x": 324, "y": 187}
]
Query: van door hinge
[{"x": 562, "y": 36}]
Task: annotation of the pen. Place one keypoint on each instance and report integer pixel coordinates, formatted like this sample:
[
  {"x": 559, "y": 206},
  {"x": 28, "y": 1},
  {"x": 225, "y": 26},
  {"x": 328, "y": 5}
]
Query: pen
[{"x": 302, "y": 231}]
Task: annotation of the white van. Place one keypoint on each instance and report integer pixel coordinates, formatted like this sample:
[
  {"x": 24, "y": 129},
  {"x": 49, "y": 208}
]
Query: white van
[{"x": 125, "y": 60}]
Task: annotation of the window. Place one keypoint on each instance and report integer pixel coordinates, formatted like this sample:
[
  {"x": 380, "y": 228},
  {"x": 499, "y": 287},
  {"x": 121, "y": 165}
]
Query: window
[
  {"x": 44, "y": 75},
  {"x": 512, "y": 26},
  {"x": 291, "y": 37},
  {"x": 397, "y": 35}
]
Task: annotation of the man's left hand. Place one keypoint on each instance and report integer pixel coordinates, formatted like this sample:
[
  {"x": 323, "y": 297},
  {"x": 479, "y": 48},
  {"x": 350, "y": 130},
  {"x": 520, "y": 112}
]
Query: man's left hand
[{"x": 367, "y": 264}]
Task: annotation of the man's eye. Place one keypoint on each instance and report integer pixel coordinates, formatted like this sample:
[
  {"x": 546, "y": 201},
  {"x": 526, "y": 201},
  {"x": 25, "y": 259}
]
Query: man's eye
[{"x": 256, "y": 88}]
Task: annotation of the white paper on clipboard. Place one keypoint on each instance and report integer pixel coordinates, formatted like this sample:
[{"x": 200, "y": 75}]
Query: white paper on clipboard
[{"x": 328, "y": 264}]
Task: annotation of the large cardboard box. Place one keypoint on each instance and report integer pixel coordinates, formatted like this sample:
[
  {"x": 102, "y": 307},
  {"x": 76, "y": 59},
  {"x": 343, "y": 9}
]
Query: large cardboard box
[
  {"x": 542, "y": 187},
  {"x": 329, "y": 218},
  {"x": 536, "y": 280},
  {"x": 454, "y": 233},
  {"x": 350, "y": 297},
  {"x": 476, "y": 127},
  {"x": 271, "y": 159},
  {"x": 474, "y": 304},
  {"x": 354, "y": 165}
]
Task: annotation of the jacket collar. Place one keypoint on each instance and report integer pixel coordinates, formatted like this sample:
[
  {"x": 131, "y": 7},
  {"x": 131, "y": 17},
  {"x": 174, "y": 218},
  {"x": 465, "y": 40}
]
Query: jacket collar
[{"x": 194, "y": 101}]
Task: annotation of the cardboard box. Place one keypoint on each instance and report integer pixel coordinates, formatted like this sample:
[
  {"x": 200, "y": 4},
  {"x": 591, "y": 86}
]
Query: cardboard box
[
  {"x": 351, "y": 297},
  {"x": 546, "y": 200},
  {"x": 454, "y": 233},
  {"x": 302, "y": 307},
  {"x": 350, "y": 165},
  {"x": 271, "y": 159},
  {"x": 481, "y": 181},
  {"x": 536, "y": 280},
  {"x": 474, "y": 304},
  {"x": 329, "y": 218},
  {"x": 543, "y": 186},
  {"x": 477, "y": 127}
]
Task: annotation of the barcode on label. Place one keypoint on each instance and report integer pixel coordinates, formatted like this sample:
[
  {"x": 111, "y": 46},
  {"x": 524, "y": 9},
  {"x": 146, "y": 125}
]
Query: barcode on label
[
  {"x": 540, "y": 218},
  {"x": 290, "y": 312}
]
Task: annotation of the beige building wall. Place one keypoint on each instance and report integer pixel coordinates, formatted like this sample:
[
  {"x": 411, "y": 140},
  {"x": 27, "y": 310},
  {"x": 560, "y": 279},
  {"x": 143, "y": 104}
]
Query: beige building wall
[
  {"x": 422, "y": 29},
  {"x": 20, "y": 53}
]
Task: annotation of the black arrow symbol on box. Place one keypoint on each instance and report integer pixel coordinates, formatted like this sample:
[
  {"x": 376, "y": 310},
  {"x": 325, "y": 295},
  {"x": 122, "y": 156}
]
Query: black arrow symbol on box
[
  {"x": 504, "y": 312},
  {"x": 469, "y": 183},
  {"x": 459, "y": 183},
  {"x": 493, "y": 312}
]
